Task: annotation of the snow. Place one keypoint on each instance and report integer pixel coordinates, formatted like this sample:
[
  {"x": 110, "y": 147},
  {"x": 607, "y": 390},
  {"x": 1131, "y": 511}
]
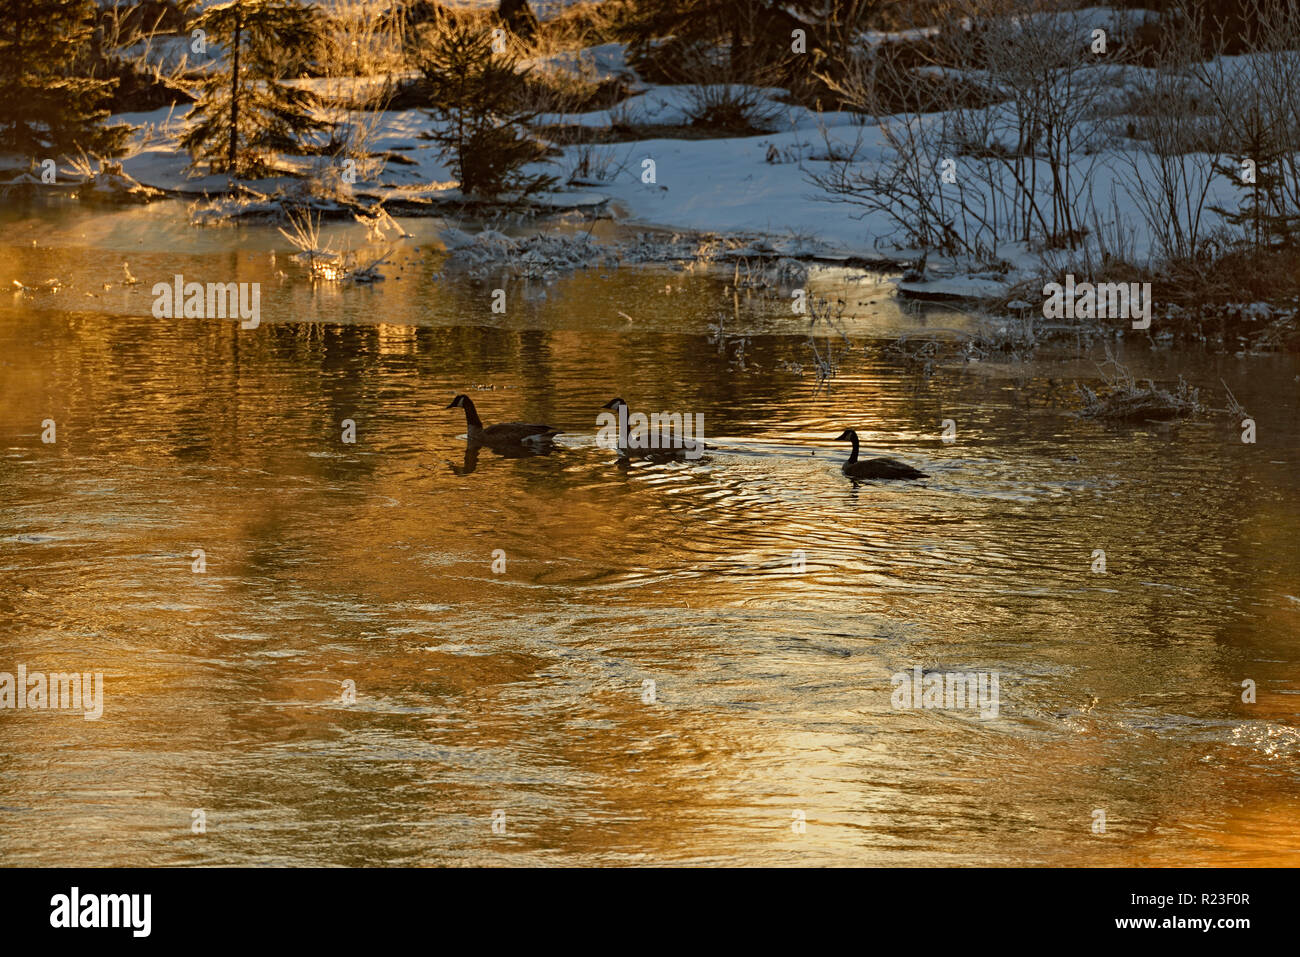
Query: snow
[
  {"x": 745, "y": 185},
  {"x": 723, "y": 185},
  {"x": 607, "y": 59},
  {"x": 726, "y": 185},
  {"x": 964, "y": 287},
  {"x": 668, "y": 106},
  {"x": 174, "y": 54}
]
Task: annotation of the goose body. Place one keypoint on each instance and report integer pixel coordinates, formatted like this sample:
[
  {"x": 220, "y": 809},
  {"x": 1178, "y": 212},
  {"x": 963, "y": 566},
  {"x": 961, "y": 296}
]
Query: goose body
[
  {"x": 874, "y": 468},
  {"x": 503, "y": 433},
  {"x": 683, "y": 448}
]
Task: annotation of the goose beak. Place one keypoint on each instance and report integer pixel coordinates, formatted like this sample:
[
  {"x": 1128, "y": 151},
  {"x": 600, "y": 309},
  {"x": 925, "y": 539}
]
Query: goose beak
[{"x": 451, "y": 404}]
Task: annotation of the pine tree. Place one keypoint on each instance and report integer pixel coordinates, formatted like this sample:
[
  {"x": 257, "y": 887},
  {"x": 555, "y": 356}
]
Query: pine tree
[
  {"x": 49, "y": 104},
  {"x": 244, "y": 115},
  {"x": 1262, "y": 213},
  {"x": 479, "y": 94}
]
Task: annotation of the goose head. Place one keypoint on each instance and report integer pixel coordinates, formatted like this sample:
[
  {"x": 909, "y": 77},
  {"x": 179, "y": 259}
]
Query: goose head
[
  {"x": 848, "y": 435},
  {"x": 458, "y": 402},
  {"x": 614, "y": 404}
]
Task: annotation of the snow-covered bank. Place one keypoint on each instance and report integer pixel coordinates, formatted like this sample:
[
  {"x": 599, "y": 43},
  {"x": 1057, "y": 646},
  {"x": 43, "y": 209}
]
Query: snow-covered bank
[
  {"x": 723, "y": 187},
  {"x": 965, "y": 180}
]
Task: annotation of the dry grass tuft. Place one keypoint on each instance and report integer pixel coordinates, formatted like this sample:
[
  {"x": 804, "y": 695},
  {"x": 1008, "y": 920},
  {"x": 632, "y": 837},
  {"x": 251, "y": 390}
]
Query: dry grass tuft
[{"x": 1124, "y": 400}]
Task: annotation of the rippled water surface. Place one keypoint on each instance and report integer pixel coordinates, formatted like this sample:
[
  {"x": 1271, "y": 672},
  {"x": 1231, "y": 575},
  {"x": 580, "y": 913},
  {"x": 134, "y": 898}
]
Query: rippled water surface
[{"x": 522, "y": 691}]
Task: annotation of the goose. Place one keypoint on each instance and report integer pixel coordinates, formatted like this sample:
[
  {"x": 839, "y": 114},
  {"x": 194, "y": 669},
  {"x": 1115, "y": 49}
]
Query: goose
[
  {"x": 675, "y": 453},
  {"x": 503, "y": 433},
  {"x": 874, "y": 468}
]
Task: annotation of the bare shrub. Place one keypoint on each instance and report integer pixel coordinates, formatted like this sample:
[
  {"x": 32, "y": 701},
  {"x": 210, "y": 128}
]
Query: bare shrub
[
  {"x": 730, "y": 108},
  {"x": 1125, "y": 400},
  {"x": 324, "y": 263},
  {"x": 1003, "y": 107}
]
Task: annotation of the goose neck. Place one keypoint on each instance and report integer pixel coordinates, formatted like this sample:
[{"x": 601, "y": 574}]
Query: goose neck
[{"x": 471, "y": 415}]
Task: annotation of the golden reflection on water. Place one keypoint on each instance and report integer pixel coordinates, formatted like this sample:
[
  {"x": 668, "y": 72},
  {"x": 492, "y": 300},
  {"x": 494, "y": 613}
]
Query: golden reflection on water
[{"x": 523, "y": 691}]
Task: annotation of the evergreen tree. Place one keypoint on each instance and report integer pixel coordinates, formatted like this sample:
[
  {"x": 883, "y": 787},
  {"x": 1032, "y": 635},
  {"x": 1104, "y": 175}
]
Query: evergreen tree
[
  {"x": 479, "y": 94},
  {"x": 1262, "y": 213},
  {"x": 244, "y": 114},
  {"x": 49, "y": 103}
]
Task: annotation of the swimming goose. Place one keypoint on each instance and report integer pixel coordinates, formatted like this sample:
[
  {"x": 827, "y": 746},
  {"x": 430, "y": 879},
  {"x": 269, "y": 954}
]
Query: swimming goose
[
  {"x": 675, "y": 453},
  {"x": 874, "y": 468},
  {"x": 503, "y": 433}
]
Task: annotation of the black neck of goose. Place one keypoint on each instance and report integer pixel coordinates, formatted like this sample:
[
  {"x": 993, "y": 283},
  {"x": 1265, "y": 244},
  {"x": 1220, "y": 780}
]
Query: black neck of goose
[
  {"x": 471, "y": 415},
  {"x": 624, "y": 414},
  {"x": 853, "y": 437}
]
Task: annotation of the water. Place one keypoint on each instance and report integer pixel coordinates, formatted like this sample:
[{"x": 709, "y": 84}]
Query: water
[{"x": 523, "y": 691}]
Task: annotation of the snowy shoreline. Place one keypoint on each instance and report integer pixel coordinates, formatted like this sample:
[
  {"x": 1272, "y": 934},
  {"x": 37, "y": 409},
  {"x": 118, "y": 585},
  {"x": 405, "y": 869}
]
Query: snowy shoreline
[{"x": 972, "y": 221}]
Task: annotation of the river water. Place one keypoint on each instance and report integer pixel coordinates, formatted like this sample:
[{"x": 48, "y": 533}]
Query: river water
[{"x": 767, "y": 597}]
